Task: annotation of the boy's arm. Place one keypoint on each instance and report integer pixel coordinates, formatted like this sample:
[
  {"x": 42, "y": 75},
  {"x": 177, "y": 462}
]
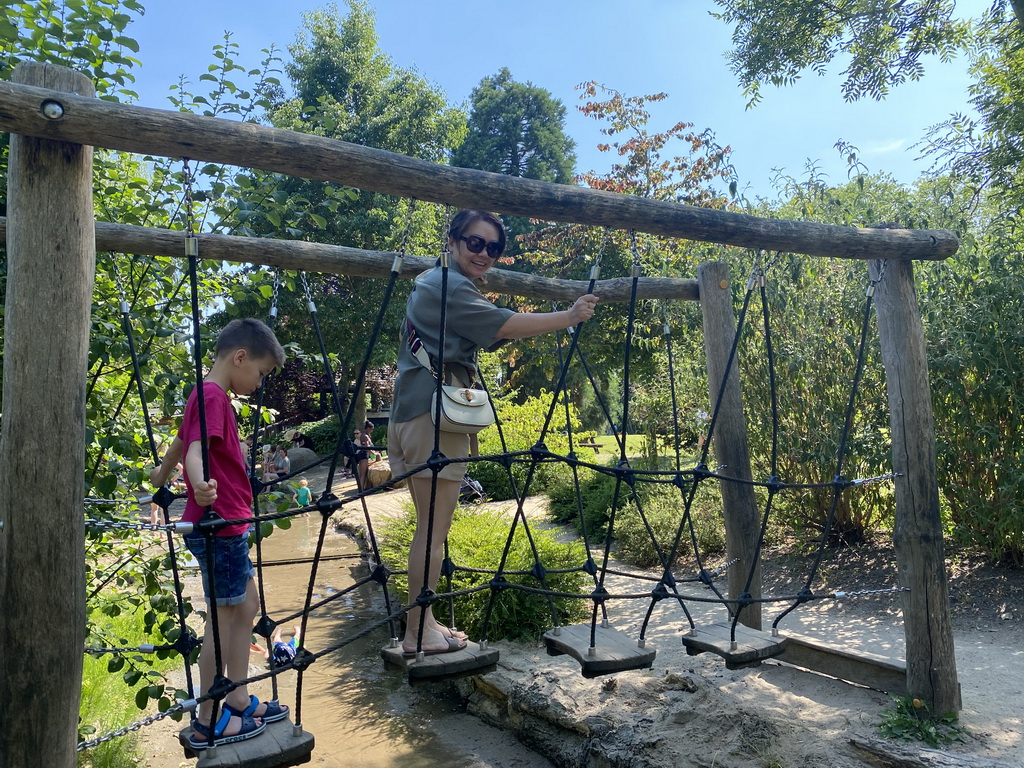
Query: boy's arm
[
  {"x": 205, "y": 492},
  {"x": 158, "y": 475}
]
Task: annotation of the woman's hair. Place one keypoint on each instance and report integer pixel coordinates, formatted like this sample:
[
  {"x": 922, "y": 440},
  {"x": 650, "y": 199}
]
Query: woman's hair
[{"x": 463, "y": 219}]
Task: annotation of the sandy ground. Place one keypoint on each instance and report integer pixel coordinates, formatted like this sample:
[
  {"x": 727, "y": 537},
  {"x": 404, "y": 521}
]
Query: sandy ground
[{"x": 414, "y": 726}]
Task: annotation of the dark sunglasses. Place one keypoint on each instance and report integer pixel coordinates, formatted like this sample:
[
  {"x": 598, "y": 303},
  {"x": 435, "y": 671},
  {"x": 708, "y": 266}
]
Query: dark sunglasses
[{"x": 476, "y": 244}]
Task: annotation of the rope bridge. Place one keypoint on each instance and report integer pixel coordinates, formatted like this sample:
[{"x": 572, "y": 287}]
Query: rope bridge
[{"x": 598, "y": 647}]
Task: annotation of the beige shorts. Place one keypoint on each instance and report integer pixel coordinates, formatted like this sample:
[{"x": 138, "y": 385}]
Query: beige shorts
[{"x": 410, "y": 444}]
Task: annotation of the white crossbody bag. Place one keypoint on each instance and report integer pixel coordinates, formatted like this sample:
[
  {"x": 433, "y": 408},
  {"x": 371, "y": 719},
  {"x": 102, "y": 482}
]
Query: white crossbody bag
[{"x": 463, "y": 409}]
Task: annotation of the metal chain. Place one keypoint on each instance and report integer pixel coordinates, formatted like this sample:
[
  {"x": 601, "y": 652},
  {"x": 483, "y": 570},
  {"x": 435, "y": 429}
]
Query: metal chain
[
  {"x": 137, "y": 649},
  {"x": 273, "y": 297},
  {"x": 633, "y": 248},
  {"x": 875, "y": 479},
  {"x": 869, "y": 592},
  {"x": 187, "y": 191},
  {"x": 120, "y": 526},
  {"x": 446, "y": 224},
  {"x": 872, "y": 284},
  {"x": 309, "y": 297},
  {"x": 146, "y": 721},
  {"x": 121, "y": 295}
]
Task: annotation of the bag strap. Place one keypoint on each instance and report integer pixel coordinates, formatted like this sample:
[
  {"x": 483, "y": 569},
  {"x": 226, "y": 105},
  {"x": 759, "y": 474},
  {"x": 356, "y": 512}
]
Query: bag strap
[{"x": 419, "y": 351}]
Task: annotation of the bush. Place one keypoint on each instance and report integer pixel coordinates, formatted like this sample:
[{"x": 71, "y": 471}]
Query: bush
[
  {"x": 113, "y": 698},
  {"x": 476, "y": 540},
  {"x": 521, "y": 425},
  {"x": 663, "y": 507},
  {"x": 324, "y": 434}
]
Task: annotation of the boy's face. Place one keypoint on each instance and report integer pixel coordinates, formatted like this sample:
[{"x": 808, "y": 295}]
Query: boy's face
[{"x": 248, "y": 372}]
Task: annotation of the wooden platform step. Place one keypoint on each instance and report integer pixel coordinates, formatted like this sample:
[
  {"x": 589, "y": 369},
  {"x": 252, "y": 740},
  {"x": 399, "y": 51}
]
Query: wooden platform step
[
  {"x": 862, "y": 667},
  {"x": 752, "y": 645},
  {"x": 471, "y": 660},
  {"x": 278, "y": 746},
  {"x": 614, "y": 651}
]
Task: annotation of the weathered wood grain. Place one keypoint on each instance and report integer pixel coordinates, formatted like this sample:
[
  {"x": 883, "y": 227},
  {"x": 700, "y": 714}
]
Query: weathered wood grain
[
  {"x": 50, "y": 270},
  {"x": 729, "y": 441},
  {"x": 337, "y": 259},
  {"x": 917, "y": 534},
  {"x": 752, "y": 645},
  {"x": 614, "y": 651},
  {"x": 179, "y": 134}
]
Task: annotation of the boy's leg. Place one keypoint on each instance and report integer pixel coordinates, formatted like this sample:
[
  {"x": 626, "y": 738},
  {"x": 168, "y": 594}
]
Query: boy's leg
[
  {"x": 236, "y": 629},
  {"x": 208, "y": 670}
]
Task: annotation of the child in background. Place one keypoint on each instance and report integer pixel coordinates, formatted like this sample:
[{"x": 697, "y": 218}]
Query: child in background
[{"x": 303, "y": 496}]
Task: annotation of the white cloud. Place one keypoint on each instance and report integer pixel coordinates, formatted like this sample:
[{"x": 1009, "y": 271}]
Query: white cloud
[{"x": 885, "y": 147}]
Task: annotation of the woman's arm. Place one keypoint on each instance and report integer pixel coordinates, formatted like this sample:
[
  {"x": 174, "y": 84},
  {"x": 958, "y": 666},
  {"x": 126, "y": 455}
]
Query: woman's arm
[{"x": 525, "y": 324}]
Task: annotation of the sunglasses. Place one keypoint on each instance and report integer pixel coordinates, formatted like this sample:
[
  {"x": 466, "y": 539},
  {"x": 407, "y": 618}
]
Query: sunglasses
[{"x": 476, "y": 244}]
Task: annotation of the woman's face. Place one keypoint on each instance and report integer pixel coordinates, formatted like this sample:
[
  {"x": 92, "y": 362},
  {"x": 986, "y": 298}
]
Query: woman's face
[{"x": 474, "y": 265}]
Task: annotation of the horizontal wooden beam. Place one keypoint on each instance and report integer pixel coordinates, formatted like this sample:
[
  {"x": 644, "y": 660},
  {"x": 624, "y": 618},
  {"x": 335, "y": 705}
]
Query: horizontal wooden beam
[
  {"x": 336, "y": 259},
  {"x": 48, "y": 114}
]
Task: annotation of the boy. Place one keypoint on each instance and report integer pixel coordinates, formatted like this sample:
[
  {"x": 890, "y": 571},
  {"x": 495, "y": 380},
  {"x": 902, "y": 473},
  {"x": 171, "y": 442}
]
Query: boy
[{"x": 246, "y": 352}]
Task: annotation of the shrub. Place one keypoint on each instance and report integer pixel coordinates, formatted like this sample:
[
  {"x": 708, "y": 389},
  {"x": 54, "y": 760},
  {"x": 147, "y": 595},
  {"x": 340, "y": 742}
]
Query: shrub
[
  {"x": 663, "y": 507},
  {"x": 521, "y": 426},
  {"x": 324, "y": 434},
  {"x": 476, "y": 540}
]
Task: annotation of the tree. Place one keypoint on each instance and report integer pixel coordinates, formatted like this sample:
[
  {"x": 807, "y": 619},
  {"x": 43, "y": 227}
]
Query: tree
[
  {"x": 517, "y": 129},
  {"x": 648, "y": 168},
  {"x": 777, "y": 40},
  {"x": 344, "y": 87}
]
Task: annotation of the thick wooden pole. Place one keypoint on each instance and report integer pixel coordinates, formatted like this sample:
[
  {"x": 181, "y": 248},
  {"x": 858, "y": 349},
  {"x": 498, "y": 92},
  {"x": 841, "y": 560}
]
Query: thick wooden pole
[
  {"x": 931, "y": 666},
  {"x": 341, "y": 260},
  {"x": 50, "y": 262},
  {"x": 730, "y": 437},
  {"x": 179, "y": 134}
]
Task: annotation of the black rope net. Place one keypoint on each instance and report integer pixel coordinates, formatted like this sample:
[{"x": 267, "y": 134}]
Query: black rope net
[{"x": 682, "y": 577}]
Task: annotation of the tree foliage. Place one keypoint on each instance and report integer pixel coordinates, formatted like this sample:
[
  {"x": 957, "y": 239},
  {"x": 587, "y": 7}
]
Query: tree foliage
[{"x": 775, "y": 42}]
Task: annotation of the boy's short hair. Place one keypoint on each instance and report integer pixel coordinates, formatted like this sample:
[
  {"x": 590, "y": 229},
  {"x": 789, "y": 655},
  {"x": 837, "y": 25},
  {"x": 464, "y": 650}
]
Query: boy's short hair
[{"x": 252, "y": 335}]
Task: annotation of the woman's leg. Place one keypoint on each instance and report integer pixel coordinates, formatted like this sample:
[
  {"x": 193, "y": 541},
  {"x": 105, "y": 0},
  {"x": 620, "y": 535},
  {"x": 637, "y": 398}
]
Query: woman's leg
[{"x": 444, "y": 508}]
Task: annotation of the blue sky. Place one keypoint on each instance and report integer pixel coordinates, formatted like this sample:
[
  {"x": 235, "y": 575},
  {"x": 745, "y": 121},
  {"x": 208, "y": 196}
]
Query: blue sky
[{"x": 639, "y": 47}]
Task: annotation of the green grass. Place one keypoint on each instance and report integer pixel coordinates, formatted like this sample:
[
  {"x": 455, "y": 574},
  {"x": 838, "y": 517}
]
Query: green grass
[{"x": 108, "y": 703}]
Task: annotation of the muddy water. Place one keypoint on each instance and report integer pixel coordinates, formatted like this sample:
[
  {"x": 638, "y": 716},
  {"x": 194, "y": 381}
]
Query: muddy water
[{"x": 360, "y": 712}]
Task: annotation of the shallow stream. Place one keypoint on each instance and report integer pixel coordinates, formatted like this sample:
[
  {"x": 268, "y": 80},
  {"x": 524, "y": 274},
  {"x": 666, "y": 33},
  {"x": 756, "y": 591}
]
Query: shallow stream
[{"x": 360, "y": 712}]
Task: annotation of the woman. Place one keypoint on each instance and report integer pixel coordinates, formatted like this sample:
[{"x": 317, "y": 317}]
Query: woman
[
  {"x": 475, "y": 241},
  {"x": 282, "y": 464},
  {"x": 361, "y": 459}
]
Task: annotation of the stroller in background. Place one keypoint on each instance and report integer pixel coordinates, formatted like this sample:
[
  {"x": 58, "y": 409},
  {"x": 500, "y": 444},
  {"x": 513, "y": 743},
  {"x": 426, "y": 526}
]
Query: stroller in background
[{"x": 471, "y": 492}]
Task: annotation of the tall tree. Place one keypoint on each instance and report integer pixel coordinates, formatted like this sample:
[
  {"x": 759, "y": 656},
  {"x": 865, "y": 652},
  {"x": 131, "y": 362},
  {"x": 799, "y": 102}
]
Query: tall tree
[
  {"x": 517, "y": 129},
  {"x": 344, "y": 87}
]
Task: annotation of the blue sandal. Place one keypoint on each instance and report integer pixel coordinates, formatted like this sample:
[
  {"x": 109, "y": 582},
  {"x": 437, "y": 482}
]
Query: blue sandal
[
  {"x": 249, "y": 729},
  {"x": 275, "y": 711}
]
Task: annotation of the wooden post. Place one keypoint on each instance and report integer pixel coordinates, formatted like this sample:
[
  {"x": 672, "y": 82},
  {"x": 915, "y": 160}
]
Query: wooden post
[
  {"x": 742, "y": 527},
  {"x": 931, "y": 666},
  {"x": 51, "y": 264}
]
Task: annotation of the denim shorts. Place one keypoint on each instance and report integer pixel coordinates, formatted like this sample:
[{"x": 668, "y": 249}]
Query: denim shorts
[{"x": 232, "y": 567}]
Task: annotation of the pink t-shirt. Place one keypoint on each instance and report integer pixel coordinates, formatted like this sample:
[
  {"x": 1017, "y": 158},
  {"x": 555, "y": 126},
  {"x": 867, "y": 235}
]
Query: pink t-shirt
[{"x": 227, "y": 465}]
